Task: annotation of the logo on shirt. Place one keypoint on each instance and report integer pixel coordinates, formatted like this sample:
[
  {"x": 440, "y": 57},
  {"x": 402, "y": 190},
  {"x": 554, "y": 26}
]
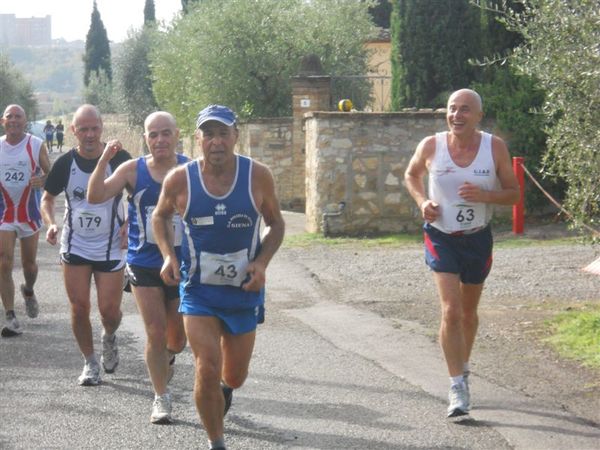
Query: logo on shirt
[
  {"x": 239, "y": 221},
  {"x": 220, "y": 209},
  {"x": 481, "y": 172},
  {"x": 79, "y": 193},
  {"x": 446, "y": 171}
]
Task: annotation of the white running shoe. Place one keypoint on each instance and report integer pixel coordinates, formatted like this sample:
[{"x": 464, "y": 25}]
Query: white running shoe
[
  {"x": 11, "y": 327},
  {"x": 458, "y": 398},
  {"x": 90, "y": 376},
  {"x": 110, "y": 353},
  {"x": 161, "y": 409},
  {"x": 31, "y": 304}
]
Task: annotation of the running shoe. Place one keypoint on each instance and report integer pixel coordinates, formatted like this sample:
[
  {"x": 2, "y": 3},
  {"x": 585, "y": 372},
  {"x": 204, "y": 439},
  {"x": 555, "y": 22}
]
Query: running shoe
[
  {"x": 228, "y": 395},
  {"x": 171, "y": 369},
  {"x": 90, "y": 375},
  {"x": 458, "y": 398},
  {"x": 11, "y": 327},
  {"x": 31, "y": 304},
  {"x": 110, "y": 353},
  {"x": 161, "y": 409}
]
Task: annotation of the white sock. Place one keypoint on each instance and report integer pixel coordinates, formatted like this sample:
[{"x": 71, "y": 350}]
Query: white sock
[{"x": 457, "y": 380}]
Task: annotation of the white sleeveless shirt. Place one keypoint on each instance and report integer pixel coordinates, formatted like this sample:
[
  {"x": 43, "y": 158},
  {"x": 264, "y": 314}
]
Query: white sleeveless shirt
[
  {"x": 445, "y": 177},
  {"x": 91, "y": 230}
]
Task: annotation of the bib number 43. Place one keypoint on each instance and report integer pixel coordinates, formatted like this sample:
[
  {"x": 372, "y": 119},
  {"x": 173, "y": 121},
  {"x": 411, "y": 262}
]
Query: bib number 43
[{"x": 229, "y": 271}]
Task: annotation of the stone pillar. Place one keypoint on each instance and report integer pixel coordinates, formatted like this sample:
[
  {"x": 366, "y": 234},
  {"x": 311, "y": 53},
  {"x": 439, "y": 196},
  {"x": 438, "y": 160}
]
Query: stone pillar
[{"x": 311, "y": 91}]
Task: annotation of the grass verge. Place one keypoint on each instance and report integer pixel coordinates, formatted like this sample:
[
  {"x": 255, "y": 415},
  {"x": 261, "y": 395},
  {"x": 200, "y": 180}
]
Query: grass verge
[{"x": 576, "y": 334}]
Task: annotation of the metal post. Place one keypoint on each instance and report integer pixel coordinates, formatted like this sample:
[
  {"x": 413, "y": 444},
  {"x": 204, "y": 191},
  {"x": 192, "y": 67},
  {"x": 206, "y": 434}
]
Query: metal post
[{"x": 519, "y": 207}]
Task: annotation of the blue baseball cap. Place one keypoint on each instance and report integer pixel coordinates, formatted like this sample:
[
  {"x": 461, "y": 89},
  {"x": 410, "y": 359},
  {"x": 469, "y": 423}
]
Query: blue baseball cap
[{"x": 215, "y": 112}]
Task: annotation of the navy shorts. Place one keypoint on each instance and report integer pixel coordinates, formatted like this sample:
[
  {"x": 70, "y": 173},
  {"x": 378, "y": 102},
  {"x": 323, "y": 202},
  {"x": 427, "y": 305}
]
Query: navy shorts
[
  {"x": 235, "y": 321},
  {"x": 468, "y": 255},
  {"x": 97, "y": 266},
  {"x": 148, "y": 277}
]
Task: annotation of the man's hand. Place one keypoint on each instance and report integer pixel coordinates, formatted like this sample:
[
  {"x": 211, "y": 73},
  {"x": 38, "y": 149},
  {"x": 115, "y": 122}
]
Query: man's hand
[
  {"x": 52, "y": 234},
  {"x": 37, "y": 181},
  {"x": 471, "y": 193},
  {"x": 430, "y": 211},
  {"x": 111, "y": 149},
  {"x": 170, "y": 271},
  {"x": 257, "y": 279}
]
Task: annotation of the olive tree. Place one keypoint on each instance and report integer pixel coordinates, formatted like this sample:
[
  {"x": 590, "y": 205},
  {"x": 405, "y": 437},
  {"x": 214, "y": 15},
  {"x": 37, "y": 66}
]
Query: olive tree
[
  {"x": 243, "y": 53},
  {"x": 561, "y": 50}
]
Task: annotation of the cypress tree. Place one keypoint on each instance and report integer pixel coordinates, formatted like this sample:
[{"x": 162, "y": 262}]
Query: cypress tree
[
  {"x": 432, "y": 42},
  {"x": 97, "y": 49},
  {"x": 381, "y": 13},
  {"x": 149, "y": 12}
]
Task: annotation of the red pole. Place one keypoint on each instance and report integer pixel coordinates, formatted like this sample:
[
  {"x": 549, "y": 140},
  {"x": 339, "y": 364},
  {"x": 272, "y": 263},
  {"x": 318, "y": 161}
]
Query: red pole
[{"x": 519, "y": 207}]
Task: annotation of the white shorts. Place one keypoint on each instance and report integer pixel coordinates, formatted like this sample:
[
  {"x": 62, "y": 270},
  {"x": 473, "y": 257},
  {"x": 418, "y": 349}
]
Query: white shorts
[{"x": 23, "y": 230}]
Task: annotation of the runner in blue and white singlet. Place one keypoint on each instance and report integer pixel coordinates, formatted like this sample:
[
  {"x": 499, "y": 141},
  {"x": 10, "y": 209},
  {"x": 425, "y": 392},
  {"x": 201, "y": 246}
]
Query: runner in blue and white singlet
[
  {"x": 142, "y": 249},
  {"x": 222, "y": 198},
  {"x": 221, "y": 237}
]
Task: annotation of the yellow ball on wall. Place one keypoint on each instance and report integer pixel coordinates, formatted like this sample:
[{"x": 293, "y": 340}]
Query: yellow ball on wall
[{"x": 345, "y": 105}]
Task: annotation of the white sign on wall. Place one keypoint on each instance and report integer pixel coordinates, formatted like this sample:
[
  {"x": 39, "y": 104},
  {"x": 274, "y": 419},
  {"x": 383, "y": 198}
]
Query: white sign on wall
[{"x": 304, "y": 102}]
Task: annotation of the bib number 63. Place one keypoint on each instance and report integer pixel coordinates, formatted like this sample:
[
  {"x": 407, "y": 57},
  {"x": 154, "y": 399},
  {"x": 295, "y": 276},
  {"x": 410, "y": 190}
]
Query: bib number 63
[{"x": 465, "y": 214}]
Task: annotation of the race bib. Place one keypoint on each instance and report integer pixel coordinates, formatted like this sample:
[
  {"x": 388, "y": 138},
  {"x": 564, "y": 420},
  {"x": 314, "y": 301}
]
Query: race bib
[
  {"x": 223, "y": 270},
  {"x": 15, "y": 176},
  {"x": 91, "y": 222},
  {"x": 177, "y": 228},
  {"x": 463, "y": 216}
]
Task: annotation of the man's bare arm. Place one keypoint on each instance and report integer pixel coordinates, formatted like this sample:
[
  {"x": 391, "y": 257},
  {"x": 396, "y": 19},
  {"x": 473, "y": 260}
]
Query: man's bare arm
[{"x": 101, "y": 189}]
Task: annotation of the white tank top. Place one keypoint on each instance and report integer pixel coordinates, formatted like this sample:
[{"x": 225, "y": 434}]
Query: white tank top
[
  {"x": 91, "y": 230},
  {"x": 445, "y": 177},
  {"x": 18, "y": 163}
]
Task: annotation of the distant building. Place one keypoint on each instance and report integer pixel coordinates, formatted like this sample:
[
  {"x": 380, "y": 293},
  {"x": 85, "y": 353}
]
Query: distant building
[{"x": 25, "y": 31}]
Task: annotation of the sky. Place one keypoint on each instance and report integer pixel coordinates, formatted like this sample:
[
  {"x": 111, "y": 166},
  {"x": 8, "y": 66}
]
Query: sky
[{"x": 71, "y": 18}]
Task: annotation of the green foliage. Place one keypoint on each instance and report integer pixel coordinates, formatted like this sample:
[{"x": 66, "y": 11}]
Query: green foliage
[
  {"x": 14, "y": 88},
  {"x": 149, "y": 12},
  {"x": 99, "y": 92},
  {"x": 242, "y": 53},
  {"x": 432, "y": 43},
  {"x": 514, "y": 101},
  {"x": 97, "y": 49},
  {"x": 186, "y": 5},
  {"x": 561, "y": 50},
  {"x": 133, "y": 79},
  {"x": 576, "y": 334}
]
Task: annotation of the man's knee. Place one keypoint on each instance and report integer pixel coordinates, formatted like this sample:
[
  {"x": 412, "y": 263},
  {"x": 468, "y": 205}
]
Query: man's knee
[
  {"x": 110, "y": 311},
  {"x": 235, "y": 380},
  {"x": 6, "y": 262}
]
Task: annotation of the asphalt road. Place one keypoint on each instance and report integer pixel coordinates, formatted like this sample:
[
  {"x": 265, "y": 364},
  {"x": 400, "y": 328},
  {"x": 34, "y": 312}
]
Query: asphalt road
[{"x": 324, "y": 376}]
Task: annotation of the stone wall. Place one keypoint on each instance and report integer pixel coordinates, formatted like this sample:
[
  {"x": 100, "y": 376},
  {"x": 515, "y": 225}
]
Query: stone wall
[
  {"x": 270, "y": 142},
  {"x": 355, "y": 165}
]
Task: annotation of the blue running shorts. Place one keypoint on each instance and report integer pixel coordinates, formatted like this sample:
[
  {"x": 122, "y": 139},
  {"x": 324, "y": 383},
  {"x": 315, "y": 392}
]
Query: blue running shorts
[
  {"x": 235, "y": 321},
  {"x": 468, "y": 255}
]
